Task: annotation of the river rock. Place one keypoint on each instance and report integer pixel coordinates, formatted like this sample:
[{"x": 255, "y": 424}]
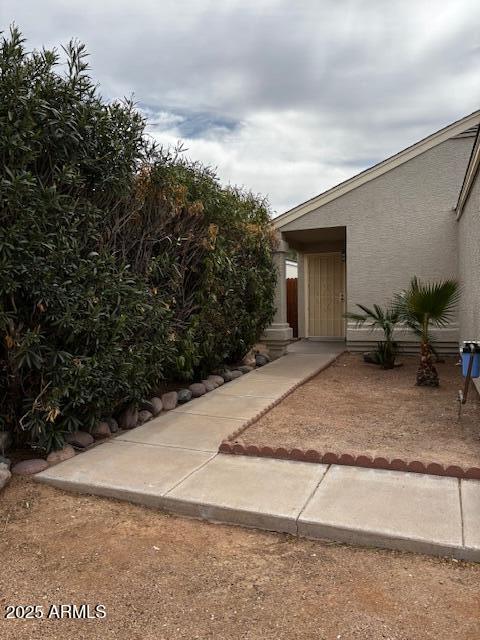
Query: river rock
[
  {"x": 245, "y": 368},
  {"x": 261, "y": 359},
  {"x": 5, "y": 476},
  {"x": 169, "y": 400},
  {"x": 157, "y": 405},
  {"x": 128, "y": 418},
  {"x": 210, "y": 385},
  {"x": 184, "y": 395},
  {"x": 236, "y": 374},
  {"x": 112, "y": 423},
  {"x": 54, "y": 457},
  {"x": 80, "y": 439},
  {"x": 101, "y": 430},
  {"x": 147, "y": 406},
  {"x": 29, "y": 467},
  {"x": 218, "y": 380},
  {"x": 5, "y": 440},
  {"x": 198, "y": 389},
  {"x": 227, "y": 375},
  {"x": 144, "y": 416}
]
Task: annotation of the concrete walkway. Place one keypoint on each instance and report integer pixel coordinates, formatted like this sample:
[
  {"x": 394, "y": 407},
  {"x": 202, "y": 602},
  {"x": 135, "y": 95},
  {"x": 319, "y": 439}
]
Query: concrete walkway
[{"x": 172, "y": 463}]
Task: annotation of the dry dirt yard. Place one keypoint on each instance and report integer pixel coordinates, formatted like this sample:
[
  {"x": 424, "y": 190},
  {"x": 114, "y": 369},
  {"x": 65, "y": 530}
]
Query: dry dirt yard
[
  {"x": 162, "y": 578},
  {"x": 358, "y": 408}
]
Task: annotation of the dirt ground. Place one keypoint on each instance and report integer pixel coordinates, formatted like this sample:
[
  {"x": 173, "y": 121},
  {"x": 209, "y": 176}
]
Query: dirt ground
[
  {"x": 357, "y": 408},
  {"x": 162, "y": 578}
]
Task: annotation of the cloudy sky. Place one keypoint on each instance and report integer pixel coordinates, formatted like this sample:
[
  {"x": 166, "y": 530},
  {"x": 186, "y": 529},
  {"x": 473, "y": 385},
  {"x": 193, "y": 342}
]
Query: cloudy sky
[{"x": 286, "y": 97}]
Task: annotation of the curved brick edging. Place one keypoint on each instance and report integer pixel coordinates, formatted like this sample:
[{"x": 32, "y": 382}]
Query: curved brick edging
[
  {"x": 231, "y": 446},
  {"x": 274, "y": 403},
  {"x": 312, "y": 455}
]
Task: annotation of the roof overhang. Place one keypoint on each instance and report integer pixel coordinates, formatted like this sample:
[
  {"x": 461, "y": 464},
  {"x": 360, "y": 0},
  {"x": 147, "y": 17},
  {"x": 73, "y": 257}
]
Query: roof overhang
[
  {"x": 470, "y": 175},
  {"x": 452, "y": 130}
]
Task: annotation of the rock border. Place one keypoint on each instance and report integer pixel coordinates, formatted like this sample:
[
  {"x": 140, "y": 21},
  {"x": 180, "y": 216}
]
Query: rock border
[
  {"x": 5, "y": 472},
  {"x": 131, "y": 417}
]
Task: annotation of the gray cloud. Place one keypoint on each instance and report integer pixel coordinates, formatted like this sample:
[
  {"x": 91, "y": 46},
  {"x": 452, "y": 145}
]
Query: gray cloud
[{"x": 285, "y": 97}]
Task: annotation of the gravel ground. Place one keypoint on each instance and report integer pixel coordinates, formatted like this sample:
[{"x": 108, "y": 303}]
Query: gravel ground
[
  {"x": 162, "y": 577},
  {"x": 357, "y": 408}
]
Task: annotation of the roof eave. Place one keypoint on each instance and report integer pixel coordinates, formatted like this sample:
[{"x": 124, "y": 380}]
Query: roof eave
[
  {"x": 470, "y": 175},
  {"x": 379, "y": 169}
]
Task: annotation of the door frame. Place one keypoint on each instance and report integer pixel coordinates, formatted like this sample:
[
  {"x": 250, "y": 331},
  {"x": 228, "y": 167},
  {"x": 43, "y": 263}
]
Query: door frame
[{"x": 307, "y": 297}]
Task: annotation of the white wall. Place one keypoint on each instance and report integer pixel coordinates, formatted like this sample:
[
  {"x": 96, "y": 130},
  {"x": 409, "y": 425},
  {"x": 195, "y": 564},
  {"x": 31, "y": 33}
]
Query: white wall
[
  {"x": 399, "y": 225},
  {"x": 291, "y": 269}
]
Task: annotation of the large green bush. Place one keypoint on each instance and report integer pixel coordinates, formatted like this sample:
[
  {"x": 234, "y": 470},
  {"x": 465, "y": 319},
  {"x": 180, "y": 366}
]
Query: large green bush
[{"x": 121, "y": 264}]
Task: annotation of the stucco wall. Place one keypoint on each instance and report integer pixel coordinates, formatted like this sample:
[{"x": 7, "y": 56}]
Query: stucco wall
[
  {"x": 469, "y": 265},
  {"x": 399, "y": 225}
]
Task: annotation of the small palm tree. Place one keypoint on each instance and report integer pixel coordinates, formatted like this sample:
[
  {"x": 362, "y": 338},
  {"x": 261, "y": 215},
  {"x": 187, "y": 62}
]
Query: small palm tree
[
  {"x": 384, "y": 319},
  {"x": 423, "y": 306}
]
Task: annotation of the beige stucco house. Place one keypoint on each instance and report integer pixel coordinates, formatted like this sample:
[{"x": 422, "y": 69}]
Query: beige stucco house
[{"x": 416, "y": 213}]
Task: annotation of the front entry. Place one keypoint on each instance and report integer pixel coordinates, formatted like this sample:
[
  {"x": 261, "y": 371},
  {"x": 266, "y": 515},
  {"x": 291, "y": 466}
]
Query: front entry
[{"x": 325, "y": 295}]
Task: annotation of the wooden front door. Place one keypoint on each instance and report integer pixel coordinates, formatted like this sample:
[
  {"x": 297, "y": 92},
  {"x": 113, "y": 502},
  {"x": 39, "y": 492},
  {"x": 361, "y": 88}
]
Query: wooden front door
[{"x": 325, "y": 295}]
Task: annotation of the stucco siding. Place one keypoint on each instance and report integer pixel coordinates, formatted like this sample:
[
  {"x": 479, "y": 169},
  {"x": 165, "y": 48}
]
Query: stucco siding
[
  {"x": 469, "y": 265},
  {"x": 398, "y": 225}
]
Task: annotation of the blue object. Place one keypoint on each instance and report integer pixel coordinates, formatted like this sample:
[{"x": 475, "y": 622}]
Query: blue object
[{"x": 469, "y": 349}]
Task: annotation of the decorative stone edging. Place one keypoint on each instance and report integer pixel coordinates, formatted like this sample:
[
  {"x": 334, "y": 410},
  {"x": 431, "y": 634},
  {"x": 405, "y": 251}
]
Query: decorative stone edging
[
  {"x": 233, "y": 436},
  {"x": 231, "y": 446},
  {"x": 5, "y": 473},
  {"x": 129, "y": 418},
  {"x": 312, "y": 455}
]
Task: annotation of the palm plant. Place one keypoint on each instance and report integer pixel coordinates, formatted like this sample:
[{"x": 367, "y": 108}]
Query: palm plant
[
  {"x": 422, "y": 306},
  {"x": 379, "y": 318}
]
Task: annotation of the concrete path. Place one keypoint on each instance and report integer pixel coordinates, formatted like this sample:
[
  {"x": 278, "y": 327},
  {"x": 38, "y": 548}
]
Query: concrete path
[{"x": 172, "y": 463}]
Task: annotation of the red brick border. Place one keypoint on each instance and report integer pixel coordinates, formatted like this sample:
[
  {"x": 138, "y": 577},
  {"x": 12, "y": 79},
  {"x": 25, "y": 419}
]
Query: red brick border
[
  {"x": 233, "y": 447},
  {"x": 329, "y": 457},
  {"x": 294, "y": 387}
]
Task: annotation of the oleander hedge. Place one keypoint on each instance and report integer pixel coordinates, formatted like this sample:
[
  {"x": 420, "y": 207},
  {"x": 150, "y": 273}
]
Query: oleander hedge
[{"x": 122, "y": 264}]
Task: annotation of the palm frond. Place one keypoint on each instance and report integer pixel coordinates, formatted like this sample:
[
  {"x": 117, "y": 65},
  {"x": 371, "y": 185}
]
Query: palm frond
[
  {"x": 377, "y": 317},
  {"x": 424, "y": 304},
  {"x": 357, "y": 317}
]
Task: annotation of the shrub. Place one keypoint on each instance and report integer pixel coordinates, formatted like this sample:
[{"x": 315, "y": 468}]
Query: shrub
[
  {"x": 75, "y": 321},
  {"x": 120, "y": 263},
  {"x": 210, "y": 251},
  {"x": 379, "y": 318}
]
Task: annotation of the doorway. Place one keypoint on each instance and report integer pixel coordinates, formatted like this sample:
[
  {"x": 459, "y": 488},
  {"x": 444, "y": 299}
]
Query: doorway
[{"x": 325, "y": 295}]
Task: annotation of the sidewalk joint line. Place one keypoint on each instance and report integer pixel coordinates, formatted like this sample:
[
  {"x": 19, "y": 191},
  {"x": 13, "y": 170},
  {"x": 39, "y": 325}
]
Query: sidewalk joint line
[
  {"x": 174, "y": 412},
  {"x": 167, "y": 446},
  {"x": 207, "y": 415},
  {"x": 312, "y": 493},
  {"x": 190, "y": 474},
  {"x": 247, "y": 395}
]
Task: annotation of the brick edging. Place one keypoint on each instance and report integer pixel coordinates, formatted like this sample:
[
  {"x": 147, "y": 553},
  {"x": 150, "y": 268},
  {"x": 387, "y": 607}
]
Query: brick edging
[
  {"x": 274, "y": 403},
  {"x": 312, "y": 455},
  {"x": 231, "y": 446}
]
